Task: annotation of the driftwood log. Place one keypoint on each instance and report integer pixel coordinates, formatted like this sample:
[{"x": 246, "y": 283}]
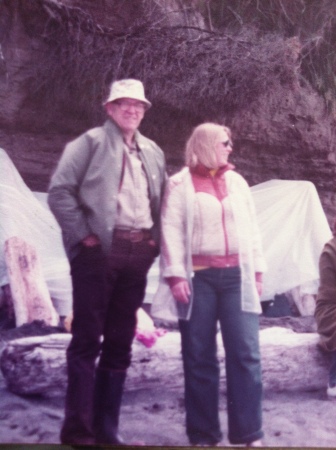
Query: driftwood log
[
  {"x": 290, "y": 362},
  {"x": 305, "y": 303},
  {"x": 29, "y": 291}
]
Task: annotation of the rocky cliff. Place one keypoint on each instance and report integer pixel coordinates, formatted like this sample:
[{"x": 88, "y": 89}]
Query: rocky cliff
[{"x": 58, "y": 57}]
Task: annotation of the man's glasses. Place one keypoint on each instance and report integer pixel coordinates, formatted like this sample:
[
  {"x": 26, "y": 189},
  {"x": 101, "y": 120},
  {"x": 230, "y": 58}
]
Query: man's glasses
[{"x": 125, "y": 105}]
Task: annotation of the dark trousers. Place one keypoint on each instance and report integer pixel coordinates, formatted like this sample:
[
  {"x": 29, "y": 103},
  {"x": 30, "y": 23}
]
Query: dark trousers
[
  {"x": 217, "y": 298},
  {"x": 332, "y": 370},
  {"x": 107, "y": 291}
]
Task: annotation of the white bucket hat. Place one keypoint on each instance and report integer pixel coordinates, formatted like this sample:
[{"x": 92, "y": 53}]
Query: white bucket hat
[{"x": 127, "y": 89}]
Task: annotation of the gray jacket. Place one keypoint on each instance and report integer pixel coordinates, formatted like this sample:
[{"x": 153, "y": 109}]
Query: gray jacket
[{"x": 84, "y": 188}]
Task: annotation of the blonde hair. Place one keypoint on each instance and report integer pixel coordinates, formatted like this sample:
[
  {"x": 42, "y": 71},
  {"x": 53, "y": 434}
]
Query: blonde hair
[{"x": 201, "y": 145}]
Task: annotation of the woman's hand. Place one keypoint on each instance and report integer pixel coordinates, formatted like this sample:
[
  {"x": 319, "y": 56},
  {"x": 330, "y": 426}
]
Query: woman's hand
[
  {"x": 259, "y": 286},
  {"x": 259, "y": 283},
  {"x": 180, "y": 289}
]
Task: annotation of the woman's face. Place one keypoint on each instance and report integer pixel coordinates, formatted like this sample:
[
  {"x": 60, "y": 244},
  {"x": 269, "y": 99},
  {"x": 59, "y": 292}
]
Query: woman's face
[{"x": 223, "y": 148}]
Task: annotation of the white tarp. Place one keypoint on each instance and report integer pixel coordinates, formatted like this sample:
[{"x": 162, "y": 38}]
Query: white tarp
[
  {"x": 23, "y": 215},
  {"x": 294, "y": 230},
  {"x": 291, "y": 219}
]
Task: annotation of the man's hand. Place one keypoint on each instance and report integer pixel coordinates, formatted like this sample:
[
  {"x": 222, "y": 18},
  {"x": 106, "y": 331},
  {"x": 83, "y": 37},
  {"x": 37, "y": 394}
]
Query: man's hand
[
  {"x": 152, "y": 243},
  {"x": 90, "y": 241}
]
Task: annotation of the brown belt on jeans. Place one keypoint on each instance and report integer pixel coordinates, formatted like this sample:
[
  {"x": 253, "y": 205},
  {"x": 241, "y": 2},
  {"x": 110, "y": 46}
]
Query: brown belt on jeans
[
  {"x": 216, "y": 260},
  {"x": 132, "y": 235}
]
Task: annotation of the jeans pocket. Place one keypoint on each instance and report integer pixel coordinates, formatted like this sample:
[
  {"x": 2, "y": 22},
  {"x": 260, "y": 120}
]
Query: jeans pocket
[{"x": 89, "y": 259}]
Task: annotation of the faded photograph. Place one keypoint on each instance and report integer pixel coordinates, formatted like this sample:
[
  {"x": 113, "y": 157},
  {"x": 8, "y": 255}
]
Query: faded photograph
[{"x": 167, "y": 223}]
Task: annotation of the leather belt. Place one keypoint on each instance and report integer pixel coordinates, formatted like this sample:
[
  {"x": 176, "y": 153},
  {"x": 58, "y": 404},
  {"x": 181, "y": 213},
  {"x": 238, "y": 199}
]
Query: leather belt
[
  {"x": 215, "y": 260},
  {"x": 132, "y": 235}
]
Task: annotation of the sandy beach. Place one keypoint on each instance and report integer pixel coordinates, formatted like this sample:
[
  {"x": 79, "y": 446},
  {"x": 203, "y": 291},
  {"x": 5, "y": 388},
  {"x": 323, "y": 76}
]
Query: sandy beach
[{"x": 155, "y": 417}]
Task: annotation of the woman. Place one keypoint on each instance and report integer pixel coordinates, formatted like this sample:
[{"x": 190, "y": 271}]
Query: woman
[
  {"x": 212, "y": 262},
  {"x": 325, "y": 312}
]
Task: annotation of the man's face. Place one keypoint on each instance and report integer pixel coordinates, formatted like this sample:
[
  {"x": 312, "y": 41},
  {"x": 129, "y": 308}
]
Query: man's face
[{"x": 127, "y": 113}]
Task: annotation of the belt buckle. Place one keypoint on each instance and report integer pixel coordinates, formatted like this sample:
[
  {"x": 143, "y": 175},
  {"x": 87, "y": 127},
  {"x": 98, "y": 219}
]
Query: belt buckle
[{"x": 136, "y": 235}]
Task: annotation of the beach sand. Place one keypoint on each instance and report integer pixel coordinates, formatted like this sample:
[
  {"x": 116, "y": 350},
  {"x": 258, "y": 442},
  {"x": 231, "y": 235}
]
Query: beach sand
[{"x": 155, "y": 417}]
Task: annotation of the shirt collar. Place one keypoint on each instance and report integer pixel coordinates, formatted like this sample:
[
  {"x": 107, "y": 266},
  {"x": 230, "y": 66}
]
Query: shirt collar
[
  {"x": 133, "y": 148},
  {"x": 203, "y": 171}
]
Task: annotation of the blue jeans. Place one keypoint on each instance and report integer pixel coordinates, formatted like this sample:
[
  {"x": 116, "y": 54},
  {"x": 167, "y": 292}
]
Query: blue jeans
[{"x": 217, "y": 298}]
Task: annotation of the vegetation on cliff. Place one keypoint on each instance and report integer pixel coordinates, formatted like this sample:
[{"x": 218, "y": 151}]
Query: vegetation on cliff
[
  {"x": 311, "y": 22},
  {"x": 222, "y": 57},
  {"x": 264, "y": 67}
]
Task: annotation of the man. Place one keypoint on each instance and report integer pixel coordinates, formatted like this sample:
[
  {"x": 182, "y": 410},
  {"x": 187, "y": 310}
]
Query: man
[{"x": 106, "y": 195}]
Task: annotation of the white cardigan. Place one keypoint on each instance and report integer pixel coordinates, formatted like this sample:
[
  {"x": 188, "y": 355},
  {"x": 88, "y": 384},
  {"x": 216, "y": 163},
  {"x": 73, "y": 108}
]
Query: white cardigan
[{"x": 176, "y": 234}]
